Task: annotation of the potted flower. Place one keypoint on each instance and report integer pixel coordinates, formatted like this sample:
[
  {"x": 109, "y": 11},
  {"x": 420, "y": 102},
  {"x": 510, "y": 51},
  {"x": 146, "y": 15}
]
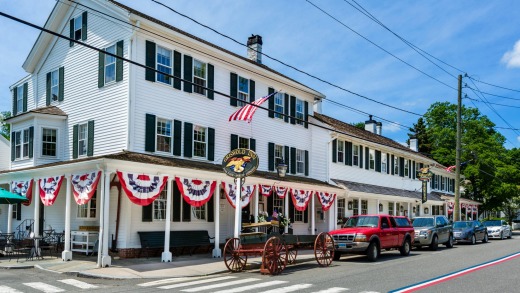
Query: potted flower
[
  {"x": 262, "y": 216},
  {"x": 282, "y": 222}
]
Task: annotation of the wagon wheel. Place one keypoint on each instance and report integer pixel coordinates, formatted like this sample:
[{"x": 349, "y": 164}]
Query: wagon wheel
[
  {"x": 292, "y": 252},
  {"x": 275, "y": 255},
  {"x": 234, "y": 260},
  {"x": 324, "y": 249}
]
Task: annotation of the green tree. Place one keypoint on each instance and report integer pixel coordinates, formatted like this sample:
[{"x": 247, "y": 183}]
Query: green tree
[
  {"x": 5, "y": 129},
  {"x": 360, "y": 125},
  {"x": 420, "y": 132}
]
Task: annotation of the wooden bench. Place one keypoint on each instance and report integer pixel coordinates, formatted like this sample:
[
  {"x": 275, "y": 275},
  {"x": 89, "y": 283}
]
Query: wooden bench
[{"x": 179, "y": 240}]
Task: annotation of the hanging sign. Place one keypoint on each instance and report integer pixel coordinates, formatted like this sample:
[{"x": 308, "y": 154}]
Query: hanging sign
[
  {"x": 49, "y": 189},
  {"x": 326, "y": 199},
  {"x": 424, "y": 195},
  {"x": 240, "y": 163},
  {"x": 142, "y": 189},
  {"x": 84, "y": 186},
  {"x": 247, "y": 194},
  {"x": 196, "y": 192},
  {"x": 23, "y": 188}
]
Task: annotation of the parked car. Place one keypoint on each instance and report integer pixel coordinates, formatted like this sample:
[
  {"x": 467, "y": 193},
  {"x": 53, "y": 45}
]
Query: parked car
[
  {"x": 369, "y": 234},
  {"x": 469, "y": 231},
  {"x": 498, "y": 229},
  {"x": 432, "y": 230},
  {"x": 516, "y": 225}
]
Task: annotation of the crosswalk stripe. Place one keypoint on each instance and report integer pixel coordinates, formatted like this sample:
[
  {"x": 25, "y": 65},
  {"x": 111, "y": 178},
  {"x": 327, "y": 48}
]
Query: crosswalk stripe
[
  {"x": 289, "y": 288},
  {"x": 250, "y": 287},
  {"x": 220, "y": 285},
  {"x": 196, "y": 282},
  {"x": 44, "y": 287},
  {"x": 5, "y": 289},
  {"x": 333, "y": 290},
  {"x": 78, "y": 284},
  {"x": 165, "y": 281}
]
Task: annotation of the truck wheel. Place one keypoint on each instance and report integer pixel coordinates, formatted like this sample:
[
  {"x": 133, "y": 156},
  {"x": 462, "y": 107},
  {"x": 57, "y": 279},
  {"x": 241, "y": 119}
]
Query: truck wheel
[
  {"x": 405, "y": 249},
  {"x": 373, "y": 251},
  {"x": 449, "y": 244},
  {"x": 337, "y": 255},
  {"x": 435, "y": 243}
]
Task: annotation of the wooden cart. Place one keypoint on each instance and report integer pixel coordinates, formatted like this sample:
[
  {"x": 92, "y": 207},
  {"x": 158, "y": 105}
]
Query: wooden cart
[{"x": 276, "y": 250}]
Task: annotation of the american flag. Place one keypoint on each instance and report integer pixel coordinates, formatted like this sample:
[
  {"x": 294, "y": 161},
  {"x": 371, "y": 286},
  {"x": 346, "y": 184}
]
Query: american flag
[
  {"x": 246, "y": 113},
  {"x": 450, "y": 168}
]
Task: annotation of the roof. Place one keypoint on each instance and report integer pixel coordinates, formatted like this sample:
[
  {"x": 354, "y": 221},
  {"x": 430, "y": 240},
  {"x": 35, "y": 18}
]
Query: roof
[
  {"x": 375, "y": 189},
  {"x": 364, "y": 134},
  {"x": 451, "y": 197},
  {"x": 48, "y": 110}
]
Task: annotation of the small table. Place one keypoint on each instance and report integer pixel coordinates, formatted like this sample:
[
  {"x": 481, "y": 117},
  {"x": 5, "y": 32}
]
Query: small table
[
  {"x": 35, "y": 250},
  {"x": 84, "y": 240}
]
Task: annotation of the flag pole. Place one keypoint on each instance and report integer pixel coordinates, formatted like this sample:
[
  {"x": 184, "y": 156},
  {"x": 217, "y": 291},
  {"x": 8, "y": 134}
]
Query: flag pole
[{"x": 238, "y": 206}]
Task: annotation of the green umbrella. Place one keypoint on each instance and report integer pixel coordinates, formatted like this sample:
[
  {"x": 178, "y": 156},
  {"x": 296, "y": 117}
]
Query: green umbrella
[{"x": 7, "y": 197}]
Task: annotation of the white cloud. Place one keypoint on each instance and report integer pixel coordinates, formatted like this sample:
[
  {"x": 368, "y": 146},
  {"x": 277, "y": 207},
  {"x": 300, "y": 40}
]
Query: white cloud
[
  {"x": 518, "y": 138},
  {"x": 512, "y": 58},
  {"x": 390, "y": 127}
]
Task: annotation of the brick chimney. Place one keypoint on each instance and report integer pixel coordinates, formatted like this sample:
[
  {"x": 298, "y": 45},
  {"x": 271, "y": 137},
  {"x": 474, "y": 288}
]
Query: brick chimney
[{"x": 254, "y": 48}]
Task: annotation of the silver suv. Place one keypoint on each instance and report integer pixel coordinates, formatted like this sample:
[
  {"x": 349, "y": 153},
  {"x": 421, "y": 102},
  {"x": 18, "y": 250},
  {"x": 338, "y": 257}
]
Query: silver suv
[{"x": 432, "y": 230}]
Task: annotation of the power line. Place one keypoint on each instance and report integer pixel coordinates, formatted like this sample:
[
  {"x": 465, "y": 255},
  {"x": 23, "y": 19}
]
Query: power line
[
  {"x": 497, "y": 104},
  {"x": 495, "y": 95},
  {"x": 498, "y": 86}
]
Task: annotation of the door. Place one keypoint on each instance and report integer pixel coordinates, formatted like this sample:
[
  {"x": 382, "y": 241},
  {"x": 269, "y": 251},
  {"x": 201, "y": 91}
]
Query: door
[{"x": 387, "y": 233}]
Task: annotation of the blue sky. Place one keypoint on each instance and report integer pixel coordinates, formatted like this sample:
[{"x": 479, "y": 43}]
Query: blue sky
[{"x": 478, "y": 37}]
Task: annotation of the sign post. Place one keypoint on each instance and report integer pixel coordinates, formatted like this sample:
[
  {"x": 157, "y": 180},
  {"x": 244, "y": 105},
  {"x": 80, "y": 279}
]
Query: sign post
[{"x": 424, "y": 174}]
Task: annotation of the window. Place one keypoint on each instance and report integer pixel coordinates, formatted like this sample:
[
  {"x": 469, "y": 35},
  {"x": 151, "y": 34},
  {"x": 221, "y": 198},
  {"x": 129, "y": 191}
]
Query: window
[
  {"x": 199, "y": 76},
  {"x": 396, "y": 166},
  {"x": 18, "y": 144},
  {"x": 278, "y": 205},
  {"x": 199, "y": 141},
  {"x": 436, "y": 182},
  {"x": 278, "y": 154},
  {"x": 298, "y": 216},
  {"x": 278, "y": 105},
  {"x": 300, "y": 161},
  {"x": 364, "y": 207},
  {"x": 82, "y": 139},
  {"x": 391, "y": 208},
  {"x": 372, "y": 159},
  {"x": 406, "y": 168},
  {"x": 243, "y": 91},
  {"x": 384, "y": 163},
  {"x": 159, "y": 205},
  {"x": 341, "y": 150},
  {"x": 199, "y": 213},
  {"x": 243, "y": 142},
  {"x": 443, "y": 183},
  {"x": 164, "y": 135},
  {"x": 355, "y": 155},
  {"x": 299, "y": 111},
  {"x": 19, "y": 99},
  {"x": 21, "y": 144},
  {"x": 78, "y": 21},
  {"x": 49, "y": 142},
  {"x": 355, "y": 207},
  {"x": 55, "y": 85},
  {"x": 164, "y": 64},
  {"x": 88, "y": 210},
  {"x": 341, "y": 210},
  {"x": 110, "y": 64}
]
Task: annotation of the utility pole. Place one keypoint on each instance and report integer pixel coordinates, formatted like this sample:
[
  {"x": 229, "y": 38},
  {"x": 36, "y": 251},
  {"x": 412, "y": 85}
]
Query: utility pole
[{"x": 456, "y": 208}]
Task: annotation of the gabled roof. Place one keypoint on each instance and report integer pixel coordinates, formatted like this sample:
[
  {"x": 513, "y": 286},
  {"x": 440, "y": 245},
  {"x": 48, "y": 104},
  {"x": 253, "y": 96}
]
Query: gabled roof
[{"x": 48, "y": 110}]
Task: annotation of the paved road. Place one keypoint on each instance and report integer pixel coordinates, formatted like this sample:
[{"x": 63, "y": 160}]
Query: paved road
[{"x": 352, "y": 274}]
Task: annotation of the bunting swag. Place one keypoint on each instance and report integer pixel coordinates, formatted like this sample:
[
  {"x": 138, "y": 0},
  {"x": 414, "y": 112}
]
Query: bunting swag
[
  {"x": 142, "y": 189},
  {"x": 281, "y": 191},
  {"x": 196, "y": 192},
  {"x": 84, "y": 186},
  {"x": 265, "y": 190},
  {"x": 23, "y": 188},
  {"x": 475, "y": 209},
  {"x": 450, "y": 207},
  {"x": 49, "y": 189},
  {"x": 247, "y": 193},
  {"x": 326, "y": 199},
  {"x": 301, "y": 199}
]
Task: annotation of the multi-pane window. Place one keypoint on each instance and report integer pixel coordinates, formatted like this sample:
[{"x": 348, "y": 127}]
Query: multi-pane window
[
  {"x": 300, "y": 161},
  {"x": 199, "y": 213},
  {"x": 164, "y": 64},
  {"x": 88, "y": 210},
  {"x": 443, "y": 183},
  {"x": 49, "y": 142},
  {"x": 78, "y": 21},
  {"x": 25, "y": 143},
  {"x": 19, "y": 99},
  {"x": 355, "y": 155},
  {"x": 199, "y": 141},
  {"x": 355, "y": 207},
  {"x": 406, "y": 168},
  {"x": 164, "y": 135},
  {"x": 199, "y": 76},
  {"x": 243, "y": 142},
  {"x": 278, "y": 154},
  {"x": 18, "y": 144},
  {"x": 298, "y": 216},
  {"x": 159, "y": 205},
  {"x": 55, "y": 85},
  {"x": 299, "y": 111},
  {"x": 341, "y": 150},
  {"x": 436, "y": 183},
  {"x": 110, "y": 64},
  {"x": 279, "y": 105},
  {"x": 278, "y": 205},
  {"x": 243, "y": 90},
  {"x": 391, "y": 208},
  {"x": 372, "y": 159},
  {"x": 341, "y": 210},
  {"x": 396, "y": 165},
  {"x": 384, "y": 163},
  {"x": 82, "y": 139},
  {"x": 364, "y": 207}
]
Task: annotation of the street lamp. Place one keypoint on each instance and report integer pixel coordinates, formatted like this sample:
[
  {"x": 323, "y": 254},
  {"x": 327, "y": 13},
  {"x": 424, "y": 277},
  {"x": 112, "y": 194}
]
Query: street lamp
[{"x": 281, "y": 168}]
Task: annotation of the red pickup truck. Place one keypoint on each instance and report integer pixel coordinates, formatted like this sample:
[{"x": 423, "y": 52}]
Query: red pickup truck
[{"x": 369, "y": 234}]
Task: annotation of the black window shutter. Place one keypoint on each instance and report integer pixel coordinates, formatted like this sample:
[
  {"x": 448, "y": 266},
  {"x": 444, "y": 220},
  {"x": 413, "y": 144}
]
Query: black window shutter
[
  {"x": 388, "y": 164},
  {"x": 147, "y": 213},
  {"x": 414, "y": 171},
  {"x": 271, "y": 102},
  {"x": 306, "y": 216},
  {"x": 233, "y": 89},
  {"x": 306, "y": 113},
  {"x": 393, "y": 165},
  {"x": 25, "y": 91},
  {"x": 75, "y": 141},
  {"x": 84, "y": 26},
  {"x": 252, "y": 144},
  {"x": 410, "y": 168},
  {"x": 293, "y": 109},
  {"x": 334, "y": 150},
  {"x": 18, "y": 211},
  {"x": 234, "y": 141},
  {"x": 71, "y": 32},
  {"x": 291, "y": 206},
  {"x": 61, "y": 93},
  {"x": 270, "y": 156},
  {"x": 188, "y": 73},
  {"x": 211, "y": 208},
  {"x": 188, "y": 139},
  {"x": 293, "y": 160},
  {"x": 13, "y": 139},
  {"x": 367, "y": 158},
  {"x": 149, "y": 144},
  {"x": 401, "y": 166},
  {"x": 186, "y": 211},
  {"x": 287, "y": 158},
  {"x": 15, "y": 93},
  {"x": 176, "y": 203},
  {"x": 101, "y": 69},
  {"x": 211, "y": 81},
  {"x": 270, "y": 204},
  {"x": 150, "y": 61},
  {"x": 177, "y": 59},
  {"x": 31, "y": 141},
  {"x": 378, "y": 161},
  {"x": 286, "y": 108},
  {"x": 361, "y": 157},
  {"x": 251, "y": 90},
  {"x": 421, "y": 165},
  {"x": 211, "y": 144},
  {"x": 90, "y": 140},
  {"x": 119, "y": 62},
  {"x": 177, "y": 137},
  {"x": 348, "y": 148},
  {"x": 306, "y": 163}
]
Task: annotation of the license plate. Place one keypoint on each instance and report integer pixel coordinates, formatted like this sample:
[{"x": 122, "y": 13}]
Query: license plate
[{"x": 342, "y": 245}]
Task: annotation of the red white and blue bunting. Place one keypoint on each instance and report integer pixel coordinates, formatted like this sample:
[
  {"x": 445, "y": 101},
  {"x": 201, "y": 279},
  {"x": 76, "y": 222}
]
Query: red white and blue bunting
[
  {"x": 247, "y": 193},
  {"x": 301, "y": 199},
  {"x": 326, "y": 199},
  {"x": 265, "y": 190},
  {"x": 49, "y": 189},
  {"x": 475, "y": 209},
  {"x": 23, "y": 188},
  {"x": 196, "y": 192},
  {"x": 281, "y": 191},
  {"x": 450, "y": 207},
  {"x": 84, "y": 186},
  {"x": 142, "y": 189}
]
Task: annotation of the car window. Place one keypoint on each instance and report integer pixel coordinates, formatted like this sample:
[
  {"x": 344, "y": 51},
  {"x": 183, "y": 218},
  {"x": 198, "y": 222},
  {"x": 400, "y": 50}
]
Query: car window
[
  {"x": 384, "y": 223},
  {"x": 362, "y": 221},
  {"x": 492, "y": 223},
  {"x": 402, "y": 222},
  {"x": 392, "y": 222},
  {"x": 423, "y": 222},
  {"x": 438, "y": 221}
]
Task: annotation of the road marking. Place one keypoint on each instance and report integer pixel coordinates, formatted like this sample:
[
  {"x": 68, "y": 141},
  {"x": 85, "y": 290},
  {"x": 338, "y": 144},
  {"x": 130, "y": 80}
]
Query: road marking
[
  {"x": 333, "y": 290},
  {"x": 44, "y": 287},
  {"x": 78, "y": 284},
  {"x": 5, "y": 289},
  {"x": 220, "y": 285},
  {"x": 289, "y": 288},
  {"x": 251, "y": 287},
  {"x": 196, "y": 282},
  {"x": 444, "y": 278},
  {"x": 165, "y": 281}
]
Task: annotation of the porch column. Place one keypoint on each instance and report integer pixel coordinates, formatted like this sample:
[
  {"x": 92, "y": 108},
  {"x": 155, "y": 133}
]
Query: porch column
[
  {"x": 410, "y": 212},
  {"x": 36, "y": 202},
  {"x": 377, "y": 207},
  {"x": 421, "y": 211},
  {"x": 167, "y": 255},
  {"x": 359, "y": 206},
  {"x": 396, "y": 212},
  {"x": 217, "y": 252},
  {"x": 10, "y": 214},
  {"x": 446, "y": 209},
  {"x": 257, "y": 194},
  {"x": 476, "y": 216},
  {"x": 106, "y": 260},
  {"x": 286, "y": 209},
  {"x": 313, "y": 216},
  {"x": 66, "y": 255}
]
